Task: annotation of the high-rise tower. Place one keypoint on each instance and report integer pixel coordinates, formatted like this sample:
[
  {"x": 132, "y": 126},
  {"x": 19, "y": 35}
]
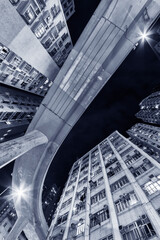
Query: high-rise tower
[
  {"x": 149, "y": 108},
  {"x": 112, "y": 192}
]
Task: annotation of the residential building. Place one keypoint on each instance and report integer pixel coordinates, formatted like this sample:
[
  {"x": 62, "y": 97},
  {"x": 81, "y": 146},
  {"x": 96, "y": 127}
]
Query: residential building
[
  {"x": 147, "y": 137},
  {"x": 17, "y": 109},
  {"x": 46, "y": 20},
  {"x": 68, "y": 8},
  {"x": 16, "y": 72},
  {"x": 49, "y": 201},
  {"x": 150, "y": 108},
  {"x": 7, "y": 216},
  {"x": 24, "y": 60},
  {"x": 34, "y": 43},
  {"x": 112, "y": 192}
]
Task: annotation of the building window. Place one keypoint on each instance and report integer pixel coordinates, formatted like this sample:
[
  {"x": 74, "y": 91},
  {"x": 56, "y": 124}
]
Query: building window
[
  {"x": 118, "y": 184},
  {"x": 7, "y": 116},
  {"x": 66, "y": 203},
  {"x": 126, "y": 201},
  {"x": 110, "y": 237},
  {"x": 23, "y": 85},
  {"x": 73, "y": 180},
  {"x": 141, "y": 229},
  {"x": 47, "y": 43},
  {"x": 62, "y": 219},
  {"x": 3, "y": 52},
  {"x": 3, "y": 77},
  {"x": 54, "y": 32},
  {"x": 142, "y": 168},
  {"x": 55, "y": 10},
  {"x": 60, "y": 26},
  {"x": 68, "y": 45},
  {"x": 16, "y": 61},
  {"x": 97, "y": 197},
  {"x": 14, "y": 2},
  {"x": 40, "y": 30},
  {"x": 48, "y": 19},
  {"x": 115, "y": 170},
  {"x": 83, "y": 181},
  {"x": 98, "y": 171},
  {"x": 16, "y": 114},
  {"x": 70, "y": 190},
  {"x": 153, "y": 185},
  {"x": 99, "y": 217},
  {"x": 53, "y": 52},
  {"x": 27, "y": 67},
  {"x": 94, "y": 184},
  {"x": 29, "y": 15},
  {"x": 80, "y": 227}
]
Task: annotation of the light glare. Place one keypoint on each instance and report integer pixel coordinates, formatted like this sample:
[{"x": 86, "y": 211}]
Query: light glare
[
  {"x": 144, "y": 36},
  {"x": 21, "y": 192}
]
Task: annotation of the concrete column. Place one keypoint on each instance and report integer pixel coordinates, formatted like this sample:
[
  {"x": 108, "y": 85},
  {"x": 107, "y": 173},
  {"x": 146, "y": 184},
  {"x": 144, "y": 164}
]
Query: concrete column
[
  {"x": 13, "y": 149},
  {"x": 67, "y": 226},
  {"x": 148, "y": 208},
  {"x": 17, "y": 228},
  {"x": 88, "y": 203},
  {"x": 112, "y": 211},
  {"x": 50, "y": 231}
]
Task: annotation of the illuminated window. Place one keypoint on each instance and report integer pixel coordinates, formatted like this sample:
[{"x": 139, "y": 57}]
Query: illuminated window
[
  {"x": 29, "y": 15},
  {"x": 80, "y": 226},
  {"x": 40, "y": 30},
  {"x": 153, "y": 185}
]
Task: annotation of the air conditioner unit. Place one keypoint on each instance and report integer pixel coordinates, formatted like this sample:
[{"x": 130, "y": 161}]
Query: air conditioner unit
[
  {"x": 121, "y": 228},
  {"x": 143, "y": 216},
  {"x": 92, "y": 174}
]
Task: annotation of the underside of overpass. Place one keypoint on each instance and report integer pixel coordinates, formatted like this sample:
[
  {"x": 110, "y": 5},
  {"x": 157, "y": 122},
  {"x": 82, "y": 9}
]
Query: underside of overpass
[{"x": 112, "y": 32}]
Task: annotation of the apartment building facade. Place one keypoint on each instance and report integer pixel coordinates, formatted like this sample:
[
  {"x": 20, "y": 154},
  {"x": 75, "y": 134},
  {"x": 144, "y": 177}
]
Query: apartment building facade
[
  {"x": 68, "y": 8},
  {"x": 16, "y": 72},
  {"x": 46, "y": 20},
  {"x": 150, "y": 109},
  {"x": 17, "y": 109},
  {"x": 34, "y": 43},
  {"x": 112, "y": 193},
  {"x": 147, "y": 137}
]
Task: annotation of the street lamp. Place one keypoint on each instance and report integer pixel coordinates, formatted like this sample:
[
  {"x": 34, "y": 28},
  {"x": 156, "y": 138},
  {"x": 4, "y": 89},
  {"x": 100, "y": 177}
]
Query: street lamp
[{"x": 20, "y": 192}]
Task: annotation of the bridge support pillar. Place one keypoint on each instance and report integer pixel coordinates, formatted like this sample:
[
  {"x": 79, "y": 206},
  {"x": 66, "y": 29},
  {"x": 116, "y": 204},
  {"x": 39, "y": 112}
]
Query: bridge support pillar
[
  {"x": 13, "y": 149},
  {"x": 17, "y": 228}
]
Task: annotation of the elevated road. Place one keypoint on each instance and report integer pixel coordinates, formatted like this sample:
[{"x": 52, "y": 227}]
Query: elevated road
[{"x": 110, "y": 35}]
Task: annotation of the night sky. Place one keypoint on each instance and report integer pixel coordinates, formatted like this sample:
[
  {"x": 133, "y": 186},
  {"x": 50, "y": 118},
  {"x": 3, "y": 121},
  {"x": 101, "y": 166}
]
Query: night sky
[{"x": 113, "y": 108}]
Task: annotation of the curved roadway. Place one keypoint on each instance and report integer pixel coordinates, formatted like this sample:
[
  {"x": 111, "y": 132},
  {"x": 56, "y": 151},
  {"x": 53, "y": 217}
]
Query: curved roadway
[{"x": 108, "y": 38}]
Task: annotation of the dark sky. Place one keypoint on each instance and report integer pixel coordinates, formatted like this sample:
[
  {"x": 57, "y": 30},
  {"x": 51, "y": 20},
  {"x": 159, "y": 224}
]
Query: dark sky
[{"x": 114, "y": 107}]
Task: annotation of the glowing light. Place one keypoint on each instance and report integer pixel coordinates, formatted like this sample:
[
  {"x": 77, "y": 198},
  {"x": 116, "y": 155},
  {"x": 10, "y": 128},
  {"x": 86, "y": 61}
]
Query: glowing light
[
  {"x": 8, "y": 122},
  {"x": 20, "y": 192},
  {"x": 144, "y": 36}
]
